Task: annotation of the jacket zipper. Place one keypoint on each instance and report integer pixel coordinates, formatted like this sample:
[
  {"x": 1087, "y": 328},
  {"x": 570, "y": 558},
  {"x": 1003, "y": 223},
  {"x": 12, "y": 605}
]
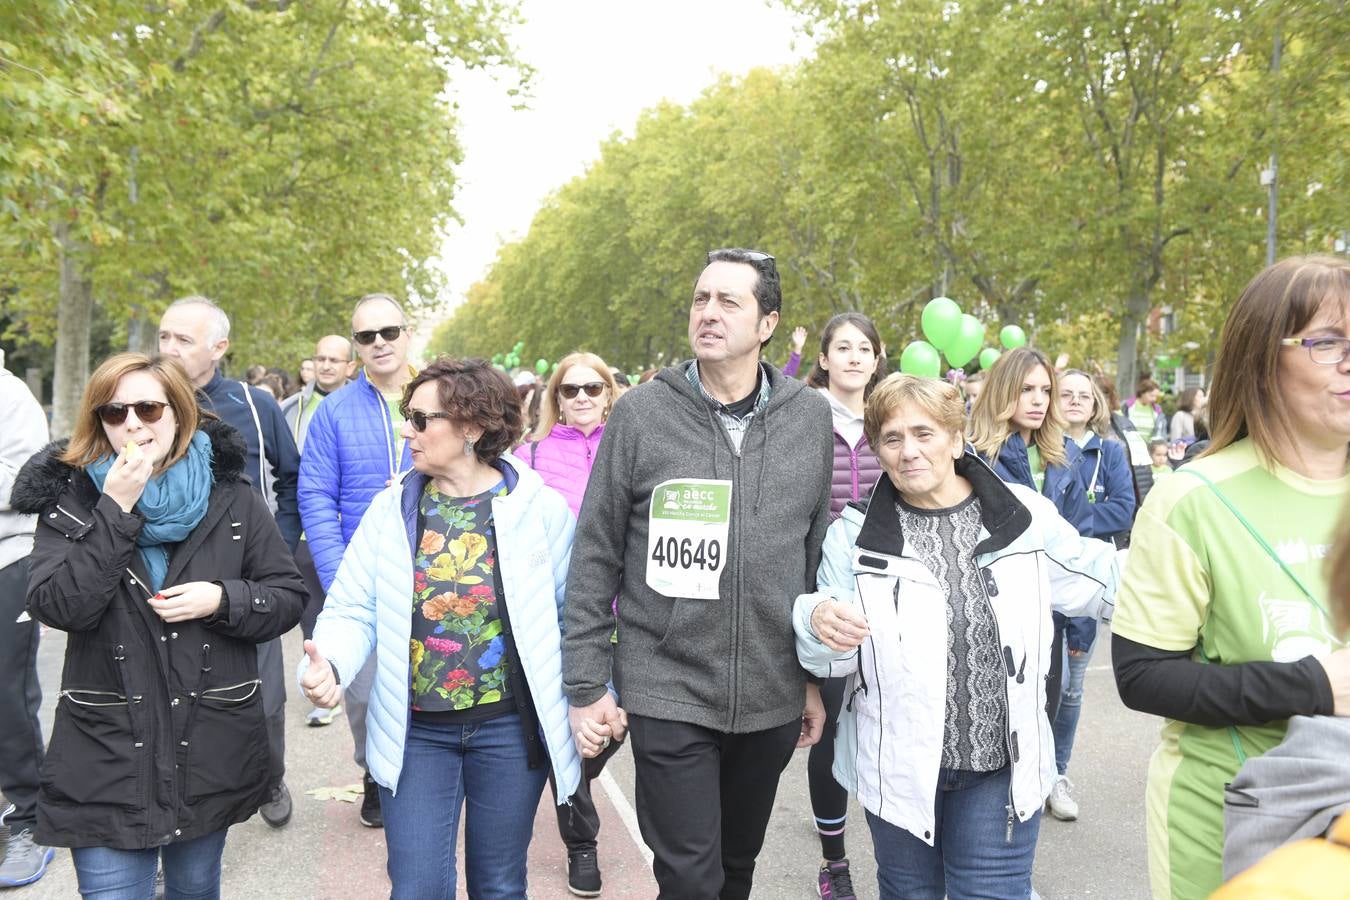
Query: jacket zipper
[{"x": 1007, "y": 701}]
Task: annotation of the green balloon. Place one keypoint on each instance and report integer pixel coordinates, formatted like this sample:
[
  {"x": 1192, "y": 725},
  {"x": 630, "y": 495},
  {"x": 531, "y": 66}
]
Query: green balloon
[
  {"x": 968, "y": 341},
  {"x": 497, "y": 359},
  {"x": 941, "y": 322},
  {"x": 633, "y": 380},
  {"x": 1012, "y": 337},
  {"x": 920, "y": 358},
  {"x": 541, "y": 366},
  {"x": 519, "y": 345},
  {"x": 988, "y": 356},
  {"x": 554, "y": 369}
]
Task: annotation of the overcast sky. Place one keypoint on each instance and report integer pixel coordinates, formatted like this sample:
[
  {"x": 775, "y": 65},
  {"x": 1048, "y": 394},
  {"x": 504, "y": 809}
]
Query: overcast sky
[{"x": 598, "y": 64}]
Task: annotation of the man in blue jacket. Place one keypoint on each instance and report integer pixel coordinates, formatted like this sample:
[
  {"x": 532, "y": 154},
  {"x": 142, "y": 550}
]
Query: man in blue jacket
[
  {"x": 196, "y": 332},
  {"x": 352, "y": 452}
]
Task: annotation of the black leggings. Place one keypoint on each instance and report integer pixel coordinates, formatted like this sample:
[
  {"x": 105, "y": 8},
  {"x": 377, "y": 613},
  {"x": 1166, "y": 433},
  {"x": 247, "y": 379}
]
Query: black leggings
[{"x": 829, "y": 801}]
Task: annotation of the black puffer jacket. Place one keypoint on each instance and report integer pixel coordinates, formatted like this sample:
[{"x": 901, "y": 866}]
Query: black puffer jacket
[{"x": 159, "y": 733}]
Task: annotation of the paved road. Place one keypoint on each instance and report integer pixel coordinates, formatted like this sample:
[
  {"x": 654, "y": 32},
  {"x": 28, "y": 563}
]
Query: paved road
[{"x": 325, "y": 853}]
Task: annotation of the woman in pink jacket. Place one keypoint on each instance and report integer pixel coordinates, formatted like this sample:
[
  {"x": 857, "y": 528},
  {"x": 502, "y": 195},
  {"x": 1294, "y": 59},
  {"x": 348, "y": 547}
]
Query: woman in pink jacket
[{"x": 572, "y": 414}]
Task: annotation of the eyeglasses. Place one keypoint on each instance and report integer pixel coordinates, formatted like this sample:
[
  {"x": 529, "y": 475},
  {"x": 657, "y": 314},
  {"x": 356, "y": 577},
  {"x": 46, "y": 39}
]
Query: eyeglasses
[
  {"x": 750, "y": 255},
  {"x": 419, "y": 419},
  {"x": 148, "y": 411},
  {"x": 1325, "y": 351},
  {"x": 592, "y": 389},
  {"x": 389, "y": 333}
]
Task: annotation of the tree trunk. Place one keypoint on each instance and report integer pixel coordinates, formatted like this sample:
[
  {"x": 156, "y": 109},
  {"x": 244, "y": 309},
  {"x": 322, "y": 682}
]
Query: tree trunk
[
  {"x": 75, "y": 308},
  {"x": 1127, "y": 349}
]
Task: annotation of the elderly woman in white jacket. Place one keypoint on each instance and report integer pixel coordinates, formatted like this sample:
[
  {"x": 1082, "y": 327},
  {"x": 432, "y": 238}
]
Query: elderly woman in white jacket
[
  {"x": 935, "y": 600},
  {"x": 455, "y": 580}
]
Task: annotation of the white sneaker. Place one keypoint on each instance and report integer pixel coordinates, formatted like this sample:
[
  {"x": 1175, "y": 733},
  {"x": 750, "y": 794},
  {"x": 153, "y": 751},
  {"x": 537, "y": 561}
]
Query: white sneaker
[{"x": 1060, "y": 804}]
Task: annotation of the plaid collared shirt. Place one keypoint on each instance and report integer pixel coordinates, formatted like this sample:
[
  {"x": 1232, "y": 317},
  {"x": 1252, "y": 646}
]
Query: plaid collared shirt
[{"x": 736, "y": 426}]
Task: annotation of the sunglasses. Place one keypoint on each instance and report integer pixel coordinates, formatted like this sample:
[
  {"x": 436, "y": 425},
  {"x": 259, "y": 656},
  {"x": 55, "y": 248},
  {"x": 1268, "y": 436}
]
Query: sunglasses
[
  {"x": 389, "y": 333},
  {"x": 419, "y": 419},
  {"x": 750, "y": 255},
  {"x": 592, "y": 389},
  {"x": 148, "y": 411}
]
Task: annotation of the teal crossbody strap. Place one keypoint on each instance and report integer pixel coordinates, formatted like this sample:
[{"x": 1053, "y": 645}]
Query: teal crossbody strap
[{"x": 1270, "y": 551}]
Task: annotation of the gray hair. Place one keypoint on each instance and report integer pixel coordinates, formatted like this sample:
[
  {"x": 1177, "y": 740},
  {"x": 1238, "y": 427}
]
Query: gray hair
[
  {"x": 219, "y": 329},
  {"x": 382, "y": 297}
]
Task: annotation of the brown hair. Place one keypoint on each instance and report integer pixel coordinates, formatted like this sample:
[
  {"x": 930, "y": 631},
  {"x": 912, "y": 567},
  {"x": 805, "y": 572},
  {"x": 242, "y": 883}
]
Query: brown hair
[
  {"x": 474, "y": 393},
  {"x": 820, "y": 378},
  {"x": 1144, "y": 385},
  {"x": 939, "y": 399},
  {"x": 1276, "y": 304},
  {"x": 550, "y": 410},
  {"x": 89, "y": 443},
  {"x": 991, "y": 416},
  {"x": 1338, "y": 574}
]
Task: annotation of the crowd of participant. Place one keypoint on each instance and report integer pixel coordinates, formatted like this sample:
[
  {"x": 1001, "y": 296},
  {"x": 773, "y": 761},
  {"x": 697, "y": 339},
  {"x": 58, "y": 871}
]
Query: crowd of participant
[{"x": 503, "y": 581}]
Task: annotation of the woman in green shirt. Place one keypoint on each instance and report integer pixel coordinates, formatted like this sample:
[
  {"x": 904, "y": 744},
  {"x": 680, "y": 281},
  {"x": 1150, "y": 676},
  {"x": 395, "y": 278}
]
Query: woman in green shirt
[{"x": 1222, "y": 622}]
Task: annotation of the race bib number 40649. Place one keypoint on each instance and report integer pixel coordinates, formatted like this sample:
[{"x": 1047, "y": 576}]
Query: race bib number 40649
[{"x": 687, "y": 529}]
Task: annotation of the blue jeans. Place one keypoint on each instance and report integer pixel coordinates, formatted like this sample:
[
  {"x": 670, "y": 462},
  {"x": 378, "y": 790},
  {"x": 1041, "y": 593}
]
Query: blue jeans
[
  {"x": 483, "y": 766},
  {"x": 191, "y": 870},
  {"x": 1070, "y": 706},
  {"x": 971, "y": 857}
]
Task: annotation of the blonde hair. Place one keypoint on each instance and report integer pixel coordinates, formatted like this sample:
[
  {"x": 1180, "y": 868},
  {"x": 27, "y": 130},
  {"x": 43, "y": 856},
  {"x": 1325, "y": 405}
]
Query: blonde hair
[
  {"x": 1100, "y": 420},
  {"x": 88, "y": 441},
  {"x": 991, "y": 416},
  {"x": 937, "y": 398},
  {"x": 1338, "y": 574},
  {"x": 550, "y": 411}
]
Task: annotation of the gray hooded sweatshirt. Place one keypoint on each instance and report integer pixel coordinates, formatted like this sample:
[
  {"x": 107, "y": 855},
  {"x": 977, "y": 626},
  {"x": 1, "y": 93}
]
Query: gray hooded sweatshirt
[
  {"x": 1293, "y": 792},
  {"x": 729, "y": 663}
]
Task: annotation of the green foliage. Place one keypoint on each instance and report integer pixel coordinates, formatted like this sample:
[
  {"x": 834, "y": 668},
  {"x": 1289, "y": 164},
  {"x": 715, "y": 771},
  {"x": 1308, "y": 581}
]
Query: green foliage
[
  {"x": 1066, "y": 167},
  {"x": 280, "y": 157}
]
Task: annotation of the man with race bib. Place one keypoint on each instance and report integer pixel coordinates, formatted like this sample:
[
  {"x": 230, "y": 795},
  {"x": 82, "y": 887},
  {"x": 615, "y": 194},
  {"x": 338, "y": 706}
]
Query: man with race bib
[{"x": 704, "y": 515}]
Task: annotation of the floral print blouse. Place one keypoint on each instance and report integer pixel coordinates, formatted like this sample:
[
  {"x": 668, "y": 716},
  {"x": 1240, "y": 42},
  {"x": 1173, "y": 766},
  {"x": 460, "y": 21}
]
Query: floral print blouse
[{"x": 458, "y": 651}]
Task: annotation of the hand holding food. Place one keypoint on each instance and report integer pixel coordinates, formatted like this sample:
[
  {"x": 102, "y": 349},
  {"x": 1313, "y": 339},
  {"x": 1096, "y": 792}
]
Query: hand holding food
[{"x": 128, "y": 476}]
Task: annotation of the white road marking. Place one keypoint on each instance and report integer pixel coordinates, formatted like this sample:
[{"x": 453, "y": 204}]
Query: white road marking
[{"x": 626, "y": 812}]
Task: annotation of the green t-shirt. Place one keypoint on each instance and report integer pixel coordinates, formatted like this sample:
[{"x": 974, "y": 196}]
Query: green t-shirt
[
  {"x": 1144, "y": 418},
  {"x": 393, "y": 401},
  {"x": 1197, "y": 579},
  {"x": 1037, "y": 469}
]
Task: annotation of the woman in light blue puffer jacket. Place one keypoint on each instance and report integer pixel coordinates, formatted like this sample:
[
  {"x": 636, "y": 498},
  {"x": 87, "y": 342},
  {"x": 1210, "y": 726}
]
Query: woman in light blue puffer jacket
[{"x": 455, "y": 581}]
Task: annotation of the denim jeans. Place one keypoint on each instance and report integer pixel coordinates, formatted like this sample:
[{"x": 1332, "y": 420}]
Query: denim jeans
[
  {"x": 191, "y": 870},
  {"x": 483, "y": 767},
  {"x": 1070, "y": 706},
  {"x": 971, "y": 857}
]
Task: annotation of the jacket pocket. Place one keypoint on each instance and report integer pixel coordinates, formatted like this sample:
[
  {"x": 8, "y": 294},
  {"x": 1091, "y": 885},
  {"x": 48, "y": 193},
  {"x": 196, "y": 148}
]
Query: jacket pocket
[
  {"x": 690, "y": 663},
  {"x": 94, "y": 757},
  {"x": 226, "y": 741}
]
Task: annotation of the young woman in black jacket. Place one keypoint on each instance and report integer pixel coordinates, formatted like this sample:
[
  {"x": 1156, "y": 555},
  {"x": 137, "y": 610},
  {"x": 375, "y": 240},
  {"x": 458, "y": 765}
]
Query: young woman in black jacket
[{"x": 165, "y": 568}]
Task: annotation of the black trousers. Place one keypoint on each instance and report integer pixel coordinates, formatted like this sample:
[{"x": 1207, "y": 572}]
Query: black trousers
[
  {"x": 704, "y": 799},
  {"x": 20, "y": 697},
  {"x": 579, "y": 824},
  {"x": 314, "y": 587}
]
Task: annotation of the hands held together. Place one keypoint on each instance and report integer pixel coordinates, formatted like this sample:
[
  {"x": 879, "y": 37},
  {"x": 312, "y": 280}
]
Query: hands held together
[{"x": 595, "y": 726}]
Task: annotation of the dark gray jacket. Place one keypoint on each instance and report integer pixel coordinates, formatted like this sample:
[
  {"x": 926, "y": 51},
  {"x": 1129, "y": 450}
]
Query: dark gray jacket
[
  {"x": 1293, "y": 792},
  {"x": 728, "y": 664}
]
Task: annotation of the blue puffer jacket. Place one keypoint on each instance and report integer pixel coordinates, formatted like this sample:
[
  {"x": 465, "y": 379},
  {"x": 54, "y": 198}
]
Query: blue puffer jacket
[
  {"x": 351, "y": 454},
  {"x": 1063, "y": 488},
  {"x": 1104, "y": 476},
  {"x": 369, "y": 607}
]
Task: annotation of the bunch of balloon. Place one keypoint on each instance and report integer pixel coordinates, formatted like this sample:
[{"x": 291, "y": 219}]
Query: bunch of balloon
[{"x": 949, "y": 332}]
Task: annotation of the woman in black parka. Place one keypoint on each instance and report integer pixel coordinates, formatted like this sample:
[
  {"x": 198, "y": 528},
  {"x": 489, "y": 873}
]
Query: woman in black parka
[{"x": 165, "y": 568}]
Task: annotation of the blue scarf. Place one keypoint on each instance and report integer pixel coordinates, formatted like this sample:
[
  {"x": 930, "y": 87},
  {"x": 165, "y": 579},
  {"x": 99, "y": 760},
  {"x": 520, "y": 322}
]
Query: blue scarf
[{"x": 172, "y": 504}]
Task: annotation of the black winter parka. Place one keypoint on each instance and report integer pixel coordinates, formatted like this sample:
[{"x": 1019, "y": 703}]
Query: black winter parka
[{"x": 159, "y": 733}]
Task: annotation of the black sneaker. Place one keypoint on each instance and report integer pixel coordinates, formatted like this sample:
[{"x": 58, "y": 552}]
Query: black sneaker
[
  {"x": 277, "y": 810},
  {"x": 371, "y": 814},
  {"x": 583, "y": 873}
]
